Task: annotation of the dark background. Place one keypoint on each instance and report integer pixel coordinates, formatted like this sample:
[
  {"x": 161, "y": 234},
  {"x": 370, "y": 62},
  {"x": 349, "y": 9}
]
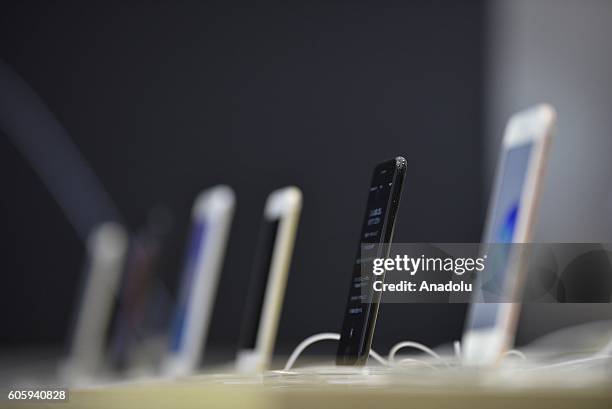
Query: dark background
[{"x": 166, "y": 99}]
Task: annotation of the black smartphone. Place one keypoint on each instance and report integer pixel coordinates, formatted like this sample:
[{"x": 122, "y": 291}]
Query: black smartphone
[{"x": 376, "y": 234}]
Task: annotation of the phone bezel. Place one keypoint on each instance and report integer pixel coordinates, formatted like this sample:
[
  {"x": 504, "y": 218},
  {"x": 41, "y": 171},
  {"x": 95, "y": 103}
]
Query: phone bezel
[
  {"x": 371, "y": 315},
  {"x": 214, "y": 207},
  {"x": 284, "y": 205},
  {"x": 107, "y": 248}
]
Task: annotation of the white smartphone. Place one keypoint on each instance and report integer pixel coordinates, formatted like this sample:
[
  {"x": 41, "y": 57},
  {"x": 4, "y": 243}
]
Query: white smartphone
[
  {"x": 212, "y": 216},
  {"x": 491, "y": 327},
  {"x": 269, "y": 279},
  {"x": 107, "y": 247}
]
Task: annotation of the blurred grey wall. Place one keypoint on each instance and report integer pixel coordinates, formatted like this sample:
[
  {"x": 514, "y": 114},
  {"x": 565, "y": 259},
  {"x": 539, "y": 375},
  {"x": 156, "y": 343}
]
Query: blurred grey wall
[
  {"x": 164, "y": 99},
  {"x": 558, "y": 52}
]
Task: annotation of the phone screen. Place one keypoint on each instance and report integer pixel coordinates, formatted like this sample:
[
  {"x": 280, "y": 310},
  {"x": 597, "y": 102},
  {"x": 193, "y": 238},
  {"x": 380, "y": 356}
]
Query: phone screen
[
  {"x": 377, "y": 229},
  {"x": 128, "y": 322},
  {"x": 259, "y": 282},
  {"x": 501, "y": 229},
  {"x": 194, "y": 254}
]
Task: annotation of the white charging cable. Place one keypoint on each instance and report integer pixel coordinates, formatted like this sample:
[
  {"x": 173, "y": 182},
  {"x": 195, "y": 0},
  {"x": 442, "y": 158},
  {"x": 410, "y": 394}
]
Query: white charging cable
[
  {"x": 572, "y": 362},
  {"x": 325, "y": 336},
  {"x": 515, "y": 352},
  {"x": 333, "y": 336},
  {"x": 416, "y": 361},
  {"x": 391, "y": 359},
  {"x": 306, "y": 343},
  {"x": 416, "y": 345}
]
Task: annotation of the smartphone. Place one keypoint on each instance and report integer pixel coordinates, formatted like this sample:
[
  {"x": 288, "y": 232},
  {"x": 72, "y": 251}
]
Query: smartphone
[
  {"x": 212, "y": 216},
  {"x": 139, "y": 311},
  {"x": 490, "y": 327},
  {"x": 376, "y": 234},
  {"x": 269, "y": 279},
  {"x": 106, "y": 248}
]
